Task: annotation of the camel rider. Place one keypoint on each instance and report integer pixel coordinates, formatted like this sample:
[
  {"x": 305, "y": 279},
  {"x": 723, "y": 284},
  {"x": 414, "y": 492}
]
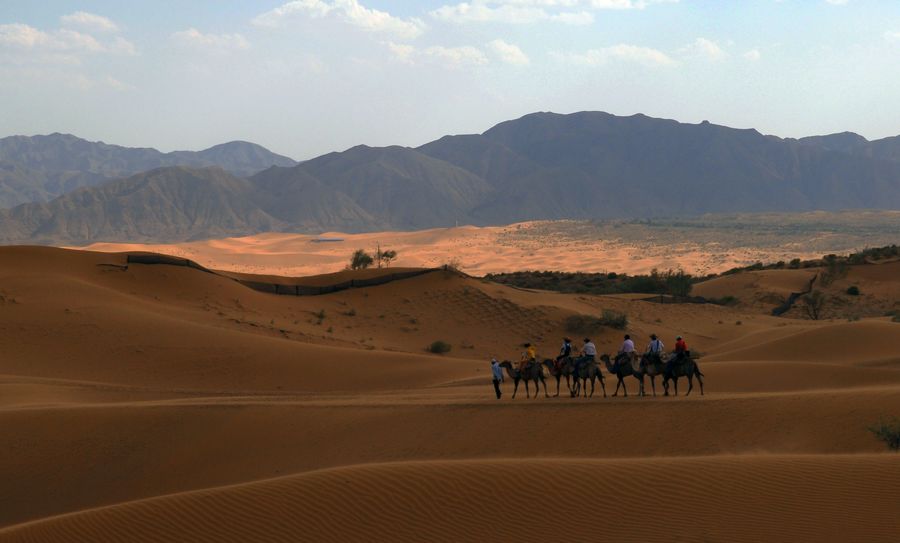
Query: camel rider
[
  {"x": 530, "y": 355},
  {"x": 564, "y": 352},
  {"x": 681, "y": 350},
  {"x": 625, "y": 351},
  {"x": 656, "y": 347},
  {"x": 588, "y": 354}
]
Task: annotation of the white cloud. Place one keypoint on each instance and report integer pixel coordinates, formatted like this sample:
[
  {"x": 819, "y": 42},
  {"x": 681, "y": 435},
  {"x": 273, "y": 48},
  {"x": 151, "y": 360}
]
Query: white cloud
[
  {"x": 221, "y": 42},
  {"x": 89, "y": 21},
  {"x": 479, "y": 12},
  {"x": 752, "y": 55},
  {"x": 457, "y": 56},
  {"x": 348, "y": 11},
  {"x": 892, "y": 36},
  {"x": 838, "y": 2},
  {"x": 402, "y": 52},
  {"x": 453, "y": 57},
  {"x": 573, "y": 17},
  {"x": 646, "y": 56},
  {"x": 704, "y": 48},
  {"x": 532, "y": 11},
  {"x": 21, "y": 35},
  {"x": 509, "y": 53},
  {"x": 25, "y": 37}
]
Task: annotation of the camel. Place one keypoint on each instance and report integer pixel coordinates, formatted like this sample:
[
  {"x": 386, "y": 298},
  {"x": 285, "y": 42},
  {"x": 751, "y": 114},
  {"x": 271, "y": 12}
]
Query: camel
[
  {"x": 686, "y": 368},
  {"x": 533, "y": 372},
  {"x": 651, "y": 366},
  {"x": 588, "y": 370},
  {"x": 624, "y": 370},
  {"x": 564, "y": 370}
]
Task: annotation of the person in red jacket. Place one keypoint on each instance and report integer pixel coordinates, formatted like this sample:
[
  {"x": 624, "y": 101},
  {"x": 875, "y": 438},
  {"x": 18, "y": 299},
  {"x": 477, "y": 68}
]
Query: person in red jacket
[{"x": 681, "y": 350}]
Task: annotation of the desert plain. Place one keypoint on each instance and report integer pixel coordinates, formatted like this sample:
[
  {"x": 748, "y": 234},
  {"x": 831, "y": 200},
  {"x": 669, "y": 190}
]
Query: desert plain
[{"x": 164, "y": 403}]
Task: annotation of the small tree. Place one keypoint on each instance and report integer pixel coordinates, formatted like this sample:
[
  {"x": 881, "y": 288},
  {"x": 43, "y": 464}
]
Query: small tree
[
  {"x": 679, "y": 284},
  {"x": 386, "y": 257},
  {"x": 360, "y": 260},
  {"x": 813, "y": 304}
]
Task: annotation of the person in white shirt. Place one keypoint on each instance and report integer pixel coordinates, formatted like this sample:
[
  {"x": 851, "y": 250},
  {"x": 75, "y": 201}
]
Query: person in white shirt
[
  {"x": 497, "y": 374},
  {"x": 656, "y": 345},
  {"x": 588, "y": 353},
  {"x": 626, "y": 352}
]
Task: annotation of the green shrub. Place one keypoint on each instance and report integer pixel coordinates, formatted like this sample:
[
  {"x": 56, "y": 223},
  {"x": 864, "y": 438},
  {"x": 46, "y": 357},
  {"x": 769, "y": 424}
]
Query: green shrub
[
  {"x": 582, "y": 324},
  {"x": 888, "y": 430},
  {"x": 614, "y": 319},
  {"x": 439, "y": 347},
  {"x": 853, "y": 291}
]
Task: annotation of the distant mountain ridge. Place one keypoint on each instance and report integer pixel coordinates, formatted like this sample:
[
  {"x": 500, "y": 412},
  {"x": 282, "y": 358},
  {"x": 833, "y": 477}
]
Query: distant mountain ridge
[
  {"x": 542, "y": 166},
  {"x": 39, "y": 168}
]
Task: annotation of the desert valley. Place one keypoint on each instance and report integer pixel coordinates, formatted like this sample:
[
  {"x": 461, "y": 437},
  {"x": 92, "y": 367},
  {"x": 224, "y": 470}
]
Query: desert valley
[
  {"x": 445, "y": 271},
  {"x": 160, "y": 402}
]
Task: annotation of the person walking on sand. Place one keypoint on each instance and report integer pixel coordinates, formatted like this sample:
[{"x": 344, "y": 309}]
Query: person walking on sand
[{"x": 497, "y": 376}]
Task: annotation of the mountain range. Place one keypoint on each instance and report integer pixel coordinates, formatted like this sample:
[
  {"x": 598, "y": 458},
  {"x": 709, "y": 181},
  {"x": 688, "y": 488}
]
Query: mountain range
[
  {"x": 542, "y": 166},
  {"x": 40, "y": 168}
]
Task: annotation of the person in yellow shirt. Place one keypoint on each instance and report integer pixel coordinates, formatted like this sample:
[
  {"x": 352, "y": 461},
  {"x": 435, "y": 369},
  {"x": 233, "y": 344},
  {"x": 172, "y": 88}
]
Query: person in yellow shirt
[{"x": 530, "y": 355}]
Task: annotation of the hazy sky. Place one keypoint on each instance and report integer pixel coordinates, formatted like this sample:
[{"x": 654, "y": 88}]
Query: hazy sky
[{"x": 312, "y": 76}]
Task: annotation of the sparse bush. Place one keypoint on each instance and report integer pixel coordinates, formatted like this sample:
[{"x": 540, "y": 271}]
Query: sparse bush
[
  {"x": 738, "y": 323},
  {"x": 320, "y": 314},
  {"x": 853, "y": 291},
  {"x": 350, "y": 312},
  {"x": 582, "y": 324},
  {"x": 813, "y": 304},
  {"x": 835, "y": 268},
  {"x": 724, "y": 300},
  {"x": 439, "y": 347},
  {"x": 794, "y": 264},
  {"x": 454, "y": 264},
  {"x": 614, "y": 319},
  {"x": 888, "y": 430}
]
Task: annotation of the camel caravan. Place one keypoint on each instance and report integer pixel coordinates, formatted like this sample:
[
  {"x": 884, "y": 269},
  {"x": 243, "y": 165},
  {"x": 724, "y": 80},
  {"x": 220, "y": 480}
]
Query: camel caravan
[{"x": 581, "y": 370}]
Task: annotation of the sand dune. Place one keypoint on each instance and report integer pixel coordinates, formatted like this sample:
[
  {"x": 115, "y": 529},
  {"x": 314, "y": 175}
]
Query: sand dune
[
  {"x": 480, "y": 250},
  {"x": 163, "y": 403},
  {"x": 777, "y": 498}
]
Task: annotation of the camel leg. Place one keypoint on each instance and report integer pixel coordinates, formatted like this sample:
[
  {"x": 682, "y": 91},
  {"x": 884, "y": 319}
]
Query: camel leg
[
  {"x": 515, "y": 389},
  {"x": 624, "y": 386},
  {"x": 690, "y": 384},
  {"x": 700, "y": 380},
  {"x": 653, "y": 384},
  {"x": 558, "y": 379},
  {"x": 676, "y": 385},
  {"x": 618, "y": 384},
  {"x": 546, "y": 394},
  {"x": 527, "y": 393},
  {"x": 641, "y": 386},
  {"x": 603, "y": 385}
]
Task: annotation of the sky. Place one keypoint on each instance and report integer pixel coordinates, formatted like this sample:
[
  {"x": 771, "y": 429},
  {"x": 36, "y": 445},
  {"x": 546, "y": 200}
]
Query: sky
[{"x": 307, "y": 77}]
